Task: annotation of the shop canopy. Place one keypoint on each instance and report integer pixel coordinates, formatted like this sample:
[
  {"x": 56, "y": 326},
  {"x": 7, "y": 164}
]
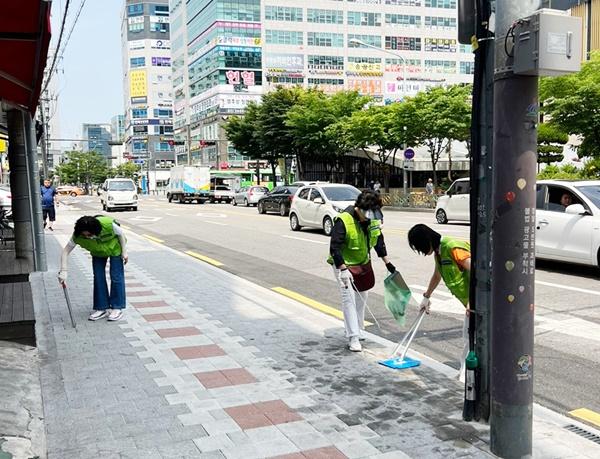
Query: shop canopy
[{"x": 24, "y": 41}]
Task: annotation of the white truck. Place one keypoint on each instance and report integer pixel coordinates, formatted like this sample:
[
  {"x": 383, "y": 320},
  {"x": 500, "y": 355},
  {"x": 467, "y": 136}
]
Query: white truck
[{"x": 189, "y": 183}]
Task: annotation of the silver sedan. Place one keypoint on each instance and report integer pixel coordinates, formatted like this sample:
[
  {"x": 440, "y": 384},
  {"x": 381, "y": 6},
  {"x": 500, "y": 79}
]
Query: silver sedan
[{"x": 249, "y": 195}]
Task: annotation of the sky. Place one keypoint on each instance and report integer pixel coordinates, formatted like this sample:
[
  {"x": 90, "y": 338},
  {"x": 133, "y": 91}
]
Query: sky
[{"x": 91, "y": 88}]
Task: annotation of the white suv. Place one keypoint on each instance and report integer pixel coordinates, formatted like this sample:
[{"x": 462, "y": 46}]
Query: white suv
[
  {"x": 119, "y": 193},
  {"x": 316, "y": 206},
  {"x": 454, "y": 205}
]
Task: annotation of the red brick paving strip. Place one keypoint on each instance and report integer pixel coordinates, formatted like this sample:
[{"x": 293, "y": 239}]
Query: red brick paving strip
[
  {"x": 223, "y": 378},
  {"x": 134, "y": 284},
  {"x": 143, "y": 293},
  {"x": 161, "y": 317},
  {"x": 149, "y": 304},
  {"x": 262, "y": 414},
  {"x": 198, "y": 352},
  {"x": 176, "y": 332},
  {"x": 329, "y": 452}
]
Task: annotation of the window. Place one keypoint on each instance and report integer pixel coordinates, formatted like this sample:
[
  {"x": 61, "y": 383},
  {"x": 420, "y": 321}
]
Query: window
[
  {"x": 303, "y": 194},
  {"x": 438, "y": 66},
  {"x": 136, "y": 28},
  {"x": 403, "y": 20},
  {"x": 360, "y": 18},
  {"x": 139, "y": 113},
  {"x": 284, "y": 37},
  {"x": 315, "y": 194},
  {"x": 461, "y": 187},
  {"x": 162, "y": 146},
  {"x": 403, "y": 43},
  {"x": 373, "y": 40},
  {"x": 159, "y": 27},
  {"x": 137, "y": 62},
  {"x": 592, "y": 192},
  {"x": 162, "y": 113},
  {"x": 448, "y": 4},
  {"x": 560, "y": 198},
  {"x": 317, "y": 62},
  {"x": 440, "y": 23},
  {"x": 440, "y": 45},
  {"x": 283, "y": 13},
  {"x": 285, "y": 79},
  {"x": 325, "y": 16},
  {"x": 332, "y": 40},
  {"x": 159, "y": 10},
  {"x": 137, "y": 9},
  {"x": 467, "y": 68}
]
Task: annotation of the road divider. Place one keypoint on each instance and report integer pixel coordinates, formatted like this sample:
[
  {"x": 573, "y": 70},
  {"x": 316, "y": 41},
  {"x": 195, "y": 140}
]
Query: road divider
[
  {"x": 312, "y": 303},
  {"x": 152, "y": 238},
  {"x": 586, "y": 415},
  {"x": 204, "y": 258}
]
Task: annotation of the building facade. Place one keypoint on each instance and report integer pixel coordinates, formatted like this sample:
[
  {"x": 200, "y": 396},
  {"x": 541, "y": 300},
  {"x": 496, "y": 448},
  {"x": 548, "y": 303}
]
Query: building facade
[
  {"x": 589, "y": 12},
  {"x": 227, "y": 53},
  {"x": 147, "y": 88},
  {"x": 96, "y": 137},
  {"x": 117, "y": 127}
]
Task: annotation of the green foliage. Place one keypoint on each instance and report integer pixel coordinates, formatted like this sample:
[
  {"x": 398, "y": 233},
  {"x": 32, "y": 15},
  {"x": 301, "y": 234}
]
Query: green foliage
[
  {"x": 566, "y": 172},
  {"x": 573, "y": 103},
  {"x": 551, "y": 141},
  {"x": 83, "y": 167},
  {"x": 128, "y": 170}
]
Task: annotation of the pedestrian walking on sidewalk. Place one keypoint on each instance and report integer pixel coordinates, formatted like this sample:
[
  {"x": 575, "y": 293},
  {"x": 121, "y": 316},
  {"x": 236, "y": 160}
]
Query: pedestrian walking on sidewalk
[
  {"x": 49, "y": 201},
  {"x": 103, "y": 238},
  {"x": 452, "y": 265},
  {"x": 355, "y": 231}
]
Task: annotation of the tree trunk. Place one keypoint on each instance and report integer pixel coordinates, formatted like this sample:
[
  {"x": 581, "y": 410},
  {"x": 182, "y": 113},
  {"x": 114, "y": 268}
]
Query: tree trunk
[
  {"x": 274, "y": 170},
  {"x": 434, "y": 168},
  {"x": 449, "y": 150}
]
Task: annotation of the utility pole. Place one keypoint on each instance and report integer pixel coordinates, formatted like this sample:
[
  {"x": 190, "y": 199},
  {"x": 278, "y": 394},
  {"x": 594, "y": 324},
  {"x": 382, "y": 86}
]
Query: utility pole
[
  {"x": 513, "y": 241},
  {"x": 44, "y": 136}
]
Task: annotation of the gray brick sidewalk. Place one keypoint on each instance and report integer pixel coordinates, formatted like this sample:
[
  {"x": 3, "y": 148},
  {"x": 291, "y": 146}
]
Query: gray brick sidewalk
[{"x": 208, "y": 365}]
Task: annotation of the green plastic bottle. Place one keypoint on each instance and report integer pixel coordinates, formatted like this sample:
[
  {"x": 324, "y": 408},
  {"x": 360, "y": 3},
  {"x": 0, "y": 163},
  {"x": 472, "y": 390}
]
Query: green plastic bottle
[{"x": 472, "y": 362}]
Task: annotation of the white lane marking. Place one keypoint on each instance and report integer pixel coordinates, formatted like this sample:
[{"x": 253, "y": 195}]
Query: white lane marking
[
  {"x": 566, "y": 287},
  {"x": 305, "y": 239},
  {"x": 146, "y": 219},
  {"x": 171, "y": 215},
  {"x": 216, "y": 223},
  {"x": 438, "y": 292},
  {"x": 210, "y": 215}
]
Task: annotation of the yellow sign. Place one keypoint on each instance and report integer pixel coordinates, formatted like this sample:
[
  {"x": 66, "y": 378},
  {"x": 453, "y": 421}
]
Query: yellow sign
[
  {"x": 366, "y": 67},
  {"x": 137, "y": 83},
  {"x": 2, "y": 146}
]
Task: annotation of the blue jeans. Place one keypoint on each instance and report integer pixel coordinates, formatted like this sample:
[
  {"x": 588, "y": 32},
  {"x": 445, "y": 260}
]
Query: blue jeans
[{"x": 116, "y": 299}]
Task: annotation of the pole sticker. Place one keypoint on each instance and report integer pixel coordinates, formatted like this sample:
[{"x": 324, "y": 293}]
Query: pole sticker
[{"x": 524, "y": 365}]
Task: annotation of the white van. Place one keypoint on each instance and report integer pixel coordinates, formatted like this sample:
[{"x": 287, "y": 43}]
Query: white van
[
  {"x": 454, "y": 204},
  {"x": 119, "y": 193}
]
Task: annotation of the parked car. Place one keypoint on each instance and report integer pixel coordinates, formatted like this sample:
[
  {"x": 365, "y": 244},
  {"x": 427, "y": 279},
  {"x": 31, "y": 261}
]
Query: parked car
[
  {"x": 220, "y": 193},
  {"x": 278, "y": 200},
  {"x": 119, "y": 193},
  {"x": 316, "y": 206},
  {"x": 566, "y": 228},
  {"x": 249, "y": 195},
  {"x": 5, "y": 198},
  {"x": 306, "y": 183},
  {"x": 70, "y": 190},
  {"x": 454, "y": 204}
]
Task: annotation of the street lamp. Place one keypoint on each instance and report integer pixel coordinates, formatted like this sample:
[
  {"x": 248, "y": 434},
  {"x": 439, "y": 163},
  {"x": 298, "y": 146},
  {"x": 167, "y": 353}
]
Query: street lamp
[{"x": 362, "y": 43}]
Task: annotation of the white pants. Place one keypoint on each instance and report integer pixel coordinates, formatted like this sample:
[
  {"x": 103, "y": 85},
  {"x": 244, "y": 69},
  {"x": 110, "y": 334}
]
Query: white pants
[
  {"x": 353, "y": 307},
  {"x": 465, "y": 352}
]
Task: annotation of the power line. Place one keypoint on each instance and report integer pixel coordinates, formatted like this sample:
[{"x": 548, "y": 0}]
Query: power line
[
  {"x": 62, "y": 29},
  {"x": 72, "y": 28}
]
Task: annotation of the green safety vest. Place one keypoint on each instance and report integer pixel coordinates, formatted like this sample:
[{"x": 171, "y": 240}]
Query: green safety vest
[
  {"x": 106, "y": 244},
  {"x": 357, "y": 247},
  {"x": 456, "y": 279}
]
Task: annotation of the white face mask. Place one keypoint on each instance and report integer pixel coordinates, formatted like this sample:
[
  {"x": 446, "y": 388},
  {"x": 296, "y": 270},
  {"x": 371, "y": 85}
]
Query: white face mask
[{"x": 370, "y": 214}]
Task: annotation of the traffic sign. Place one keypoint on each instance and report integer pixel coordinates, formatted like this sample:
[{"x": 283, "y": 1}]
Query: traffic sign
[
  {"x": 409, "y": 165},
  {"x": 409, "y": 153},
  {"x": 139, "y": 161}
]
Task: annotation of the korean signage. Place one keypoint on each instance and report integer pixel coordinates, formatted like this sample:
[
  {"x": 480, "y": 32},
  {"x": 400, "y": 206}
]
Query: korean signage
[
  {"x": 161, "y": 61},
  {"x": 159, "y": 19},
  {"x": 160, "y": 44},
  {"x": 136, "y": 44},
  {"x": 365, "y": 68},
  {"x": 366, "y": 87},
  {"x": 238, "y": 41},
  {"x": 136, "y": 20},
  {"x": 284, "y": 63},
  {"x": 237, "y": 77},
  {"x": 137, "y": 83}
]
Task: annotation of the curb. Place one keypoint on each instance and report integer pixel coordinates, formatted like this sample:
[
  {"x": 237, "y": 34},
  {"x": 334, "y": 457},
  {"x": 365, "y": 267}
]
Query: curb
[{"x": 408, "y": 209}]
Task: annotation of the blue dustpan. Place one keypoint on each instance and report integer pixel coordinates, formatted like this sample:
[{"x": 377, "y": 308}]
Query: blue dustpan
[{"x": 399, "y": 363}]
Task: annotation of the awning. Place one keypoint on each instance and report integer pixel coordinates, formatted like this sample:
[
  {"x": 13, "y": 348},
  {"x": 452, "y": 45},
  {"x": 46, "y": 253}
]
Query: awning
[{"x": 24, "y": 41}]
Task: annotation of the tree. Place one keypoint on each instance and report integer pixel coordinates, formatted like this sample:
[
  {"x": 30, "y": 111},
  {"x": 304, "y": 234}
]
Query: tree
[
  {"x": 444, "y": 115},
  {"x": 83, "y": 167},
  {"x": 566, "y": 172},
  {"x": 573, "y": 103},
  {"x": 316, "y": 124},
  {"x": 128, "y": 170},
  {"x": 551, "y": 141}
]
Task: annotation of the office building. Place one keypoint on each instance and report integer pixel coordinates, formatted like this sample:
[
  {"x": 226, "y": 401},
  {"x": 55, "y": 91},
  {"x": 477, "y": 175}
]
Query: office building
[
  {"x": 217, "y": 71},
  {"x": 96, "y": 137},
  {"x": 117, "y": 128},
  {"x": 589, "y": 12},
  {"x": 147, "y": 88}
]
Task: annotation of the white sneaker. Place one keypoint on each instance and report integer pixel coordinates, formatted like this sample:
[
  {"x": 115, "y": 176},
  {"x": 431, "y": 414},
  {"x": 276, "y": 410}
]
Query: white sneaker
[
  {"x": 354, "y": 345},
  {"x": 115, "y": 314},
  {"x": 95, "y": 315}
]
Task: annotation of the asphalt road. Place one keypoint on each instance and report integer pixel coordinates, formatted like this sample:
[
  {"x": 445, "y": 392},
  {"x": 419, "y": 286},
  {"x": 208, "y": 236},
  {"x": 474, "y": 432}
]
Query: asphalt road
[{"x": 263, "y": 249}]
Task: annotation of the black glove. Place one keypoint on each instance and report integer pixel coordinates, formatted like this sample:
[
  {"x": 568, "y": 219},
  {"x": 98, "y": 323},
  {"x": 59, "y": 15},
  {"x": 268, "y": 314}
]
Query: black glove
[{"x": 390, "y": 267}]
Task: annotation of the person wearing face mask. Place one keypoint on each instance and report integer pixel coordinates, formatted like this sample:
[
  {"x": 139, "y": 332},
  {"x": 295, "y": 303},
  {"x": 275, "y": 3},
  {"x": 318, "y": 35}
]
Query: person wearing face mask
[
  {"x": 103, "y": 238},
  {"x": 356, "y": 230}
]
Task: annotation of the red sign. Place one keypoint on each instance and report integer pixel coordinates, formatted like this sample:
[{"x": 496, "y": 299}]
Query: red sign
[{"x": 224, "y": 165}]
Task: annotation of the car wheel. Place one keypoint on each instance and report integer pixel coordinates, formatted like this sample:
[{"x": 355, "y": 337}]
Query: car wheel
[
  {"x": 169, "y": 198},
  {"x": 73, "y": 194},
  {"x": 327, "y": 226},
  {"x": 134, "y": 209},
  {"x": 261, "y": 208},
  {"x": 246, "y": 202},
  {"x": 294, "y": 223},
  {"x": 233, "y": 202},
  {"x": 441, "y": 217},
  {"x": 103, "y": 206},
  {"x": 283, "y": 210}
]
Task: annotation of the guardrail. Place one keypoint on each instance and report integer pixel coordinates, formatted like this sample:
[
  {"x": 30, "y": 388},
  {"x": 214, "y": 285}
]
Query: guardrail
[{"x": 412, "y": 200}]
